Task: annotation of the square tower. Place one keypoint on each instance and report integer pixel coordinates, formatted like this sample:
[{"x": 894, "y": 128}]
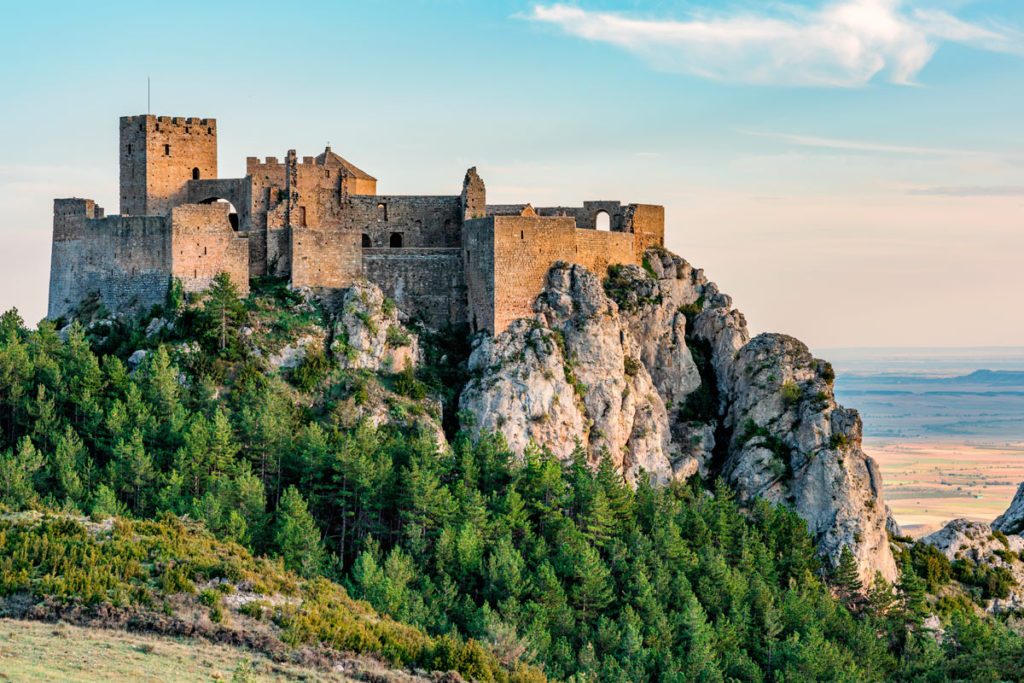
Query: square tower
[{"x": 159, "y": 155}]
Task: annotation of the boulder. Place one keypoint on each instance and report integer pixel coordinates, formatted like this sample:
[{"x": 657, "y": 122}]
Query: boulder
[{"x": 368, "y": 334}]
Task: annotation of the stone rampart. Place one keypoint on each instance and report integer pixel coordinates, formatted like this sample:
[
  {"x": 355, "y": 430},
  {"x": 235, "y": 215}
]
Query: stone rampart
[
  {"x": 125, "y": 260},
  {"x": 418, "y": 221},
  {"x": 325, "y": 258},
  {"x": 425, "y": 283},
  {"x": 203, "y": 244}
]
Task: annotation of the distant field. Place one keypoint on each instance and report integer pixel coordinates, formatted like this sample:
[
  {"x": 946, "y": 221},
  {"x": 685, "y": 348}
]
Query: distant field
[
  {"x": 930, "y": 483},
  {"x": 33, "y": 651},
  {"x": 945, "y": 425}
]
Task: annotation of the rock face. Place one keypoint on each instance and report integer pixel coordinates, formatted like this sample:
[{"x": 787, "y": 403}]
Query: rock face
[
  {"x": 292, "y": 355},
  {"x": 964, "y": 539},
  {"x": 791, "y": 443},
  {"x": 1012, "y": 521},
  {"x": 656, "y": 369},
  {"x": 570, "y": 376},
  {"x": 368, "y": 334},
  {"x": 976, "y": 542}
]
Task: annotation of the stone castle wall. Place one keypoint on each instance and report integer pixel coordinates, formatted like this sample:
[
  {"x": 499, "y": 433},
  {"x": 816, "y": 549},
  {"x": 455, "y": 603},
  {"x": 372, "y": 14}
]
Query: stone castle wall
[
  {"x": 325, "y": 258},
  {"x": 126, "y": 260},
  {"x": 508, "y": 258},
  {"x": 203, "y": 244},
  {"x": 421, "y": 221},
  {"x": 428, "y": 283},
  {"x": 319, "y": 222}
]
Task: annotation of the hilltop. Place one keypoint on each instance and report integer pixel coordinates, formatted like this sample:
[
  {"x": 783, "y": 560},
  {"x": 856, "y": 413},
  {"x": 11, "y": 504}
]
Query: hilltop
[{"x": 623, "y": 486}]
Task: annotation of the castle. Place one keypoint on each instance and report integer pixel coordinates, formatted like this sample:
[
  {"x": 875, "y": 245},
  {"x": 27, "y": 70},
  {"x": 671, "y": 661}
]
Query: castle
[{"x": 319, "y": 222}]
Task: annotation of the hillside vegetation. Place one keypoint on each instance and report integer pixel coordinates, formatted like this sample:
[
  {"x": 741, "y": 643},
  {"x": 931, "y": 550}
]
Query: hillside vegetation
[
  {"x": 39, "y": 652},
  {"x": 303, "y": 512}
]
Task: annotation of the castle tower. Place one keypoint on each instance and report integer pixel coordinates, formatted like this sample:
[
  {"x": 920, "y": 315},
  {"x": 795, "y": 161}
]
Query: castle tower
[{"x": 159, "y": 155}]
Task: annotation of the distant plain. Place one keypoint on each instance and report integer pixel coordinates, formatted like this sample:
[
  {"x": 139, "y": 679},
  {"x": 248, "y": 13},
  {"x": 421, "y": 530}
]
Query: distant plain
[{"x": 945, "y": 425}]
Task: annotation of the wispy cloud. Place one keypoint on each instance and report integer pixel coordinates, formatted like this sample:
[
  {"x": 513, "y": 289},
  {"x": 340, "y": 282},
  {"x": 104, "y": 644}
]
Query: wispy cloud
[
  {"x": 844, "y": 43},
  {"x": 863, "y": 145},
  {"x": 971, "y": 191}
]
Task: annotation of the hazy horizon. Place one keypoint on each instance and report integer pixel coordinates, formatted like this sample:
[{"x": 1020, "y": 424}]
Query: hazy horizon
[{"x": 859, "y": 197}]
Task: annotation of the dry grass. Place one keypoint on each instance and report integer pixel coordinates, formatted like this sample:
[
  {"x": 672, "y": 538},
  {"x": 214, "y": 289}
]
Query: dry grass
[
  {"x": 929, "y": 484},
  {"x": 39, "y": 651}
]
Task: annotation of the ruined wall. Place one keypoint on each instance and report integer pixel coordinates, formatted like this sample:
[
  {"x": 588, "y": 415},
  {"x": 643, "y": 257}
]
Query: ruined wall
[
  {"x": 425, "y": 283},
  {"x": 238, "y": 191},
  {"x": 474, "y": 196},
  {"x": 586, "y": 215},
  {"x": 647, "y": 222},
  {"x": 596, "y": 250},
  {"x": 421, "y": 221},
  {"x": 203, "y": 244},
  {"x": 325, "y": 258},
  {"x": 507, "y": 259},
  {"x": 124, "y": 259},
  {"x": 267, "y": 190},
  {"x": 478, "y": 261},
  {"x": 159, "y": 155}
]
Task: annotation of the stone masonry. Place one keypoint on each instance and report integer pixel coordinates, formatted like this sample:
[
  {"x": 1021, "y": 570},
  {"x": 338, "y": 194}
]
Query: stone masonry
[{"x": 319, "y": 222}]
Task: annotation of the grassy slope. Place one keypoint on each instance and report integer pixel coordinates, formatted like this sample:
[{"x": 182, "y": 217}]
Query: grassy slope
[
  {"x": 36, "y": 651},
  {"x": 172, "y": 577}
]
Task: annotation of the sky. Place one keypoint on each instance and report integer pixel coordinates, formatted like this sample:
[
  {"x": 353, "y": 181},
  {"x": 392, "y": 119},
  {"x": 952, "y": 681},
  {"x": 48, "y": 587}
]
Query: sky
[{"x": 851, "y": 172}]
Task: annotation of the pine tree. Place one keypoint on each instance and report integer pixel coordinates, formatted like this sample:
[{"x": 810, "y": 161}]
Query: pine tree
[
  {"x": 132, "y": 469},
  {"x": 846, "y": 578},
  {"x": 16, "y": 473},
  {"x": 592, "y": 590},
  {"x": 223, "y": 309},
  {"x": 879, "y": 597},
  {"x": 911, "y": 587},
  {"x": 297, "y": 536},
  {"x": 68, "y": 463},
  {"x": 701, "y": 663}
]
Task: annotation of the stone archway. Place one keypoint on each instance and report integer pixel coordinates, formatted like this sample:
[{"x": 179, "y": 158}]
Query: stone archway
[{"x": 232, "y": 212}]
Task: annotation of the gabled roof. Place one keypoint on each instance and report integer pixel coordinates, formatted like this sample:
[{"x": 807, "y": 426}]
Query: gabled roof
[{"x": 329, "y": 158}]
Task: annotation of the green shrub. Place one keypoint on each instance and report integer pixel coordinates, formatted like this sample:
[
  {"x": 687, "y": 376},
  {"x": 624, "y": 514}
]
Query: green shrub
[
  {"x": 308, "y": 374},
  {"x": 692, "y": 310},
  {"x": 838, "y": 440},
  {"x": 791, "y": 393},
  {"x": 406, "y": 384},
  {"x": 398, "y": 337}
]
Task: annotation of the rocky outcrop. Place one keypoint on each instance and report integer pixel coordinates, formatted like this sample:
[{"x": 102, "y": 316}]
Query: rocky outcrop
[
  {"x": 982, "y": 544},
  {"x": 368, "y": 334},
  {"x": 571, "y": 376},
  {"x": 963, "y": 539},
  {"x": 1012, "y": 521},
  {"x": 292, "y": 355},
  {"x": 891, "y": 526},
  {"x": 792, "y": 444},
  {"x": 656, "y": 369}
]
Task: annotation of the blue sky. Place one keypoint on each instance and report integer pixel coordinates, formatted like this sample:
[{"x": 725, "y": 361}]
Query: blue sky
[{"x": 852, "y": 172}]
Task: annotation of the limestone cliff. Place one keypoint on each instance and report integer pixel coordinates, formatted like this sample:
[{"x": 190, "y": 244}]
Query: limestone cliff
[
  {"x": 655, "y": 369},
  {"x": 572, "y": 375},
  {"x": 1012, "y": 521}
]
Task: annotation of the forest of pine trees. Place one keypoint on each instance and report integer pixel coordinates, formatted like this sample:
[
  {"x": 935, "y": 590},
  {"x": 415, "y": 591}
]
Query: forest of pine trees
[{"x": 559, "y": 565}]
